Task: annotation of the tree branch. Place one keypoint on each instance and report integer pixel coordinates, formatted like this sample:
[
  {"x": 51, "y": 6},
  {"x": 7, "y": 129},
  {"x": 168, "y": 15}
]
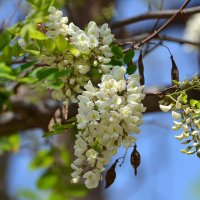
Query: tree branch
[
  {"x": 169, "y": 21},
  {"x": 164, "y": 14},
  {"x": 27, "y": 115}
]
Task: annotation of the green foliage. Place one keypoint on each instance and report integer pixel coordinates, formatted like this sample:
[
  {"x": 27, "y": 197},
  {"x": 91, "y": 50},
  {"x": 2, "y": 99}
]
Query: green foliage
[
  {"x": 61, "y": 43},
  {"x": 9, "y": 143},
  {"x": 56, "y": 177},
  {"x": 60, "y": 128},
  {"x": 117, "y": 51},
  {"x": 5, "y": 38},
  {"x": 132, "y": 67},
  {"x": 128, "y": 56}
]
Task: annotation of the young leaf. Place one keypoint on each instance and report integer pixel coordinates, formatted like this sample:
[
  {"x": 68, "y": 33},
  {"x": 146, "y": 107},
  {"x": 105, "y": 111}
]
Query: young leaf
[
  {"x": 61, "y": 43},
  {"x": 128, "y": 56},
  {"x": 131, "y": 68},
  {"x": 5, "y": 38},
  {"x": 117, "y": 51},
  {"x": 116, "y": 62},
  {"x": 73, "y": 50},
  {"x": 50, "y": 44},
  {"x": 193, "y": 102}
]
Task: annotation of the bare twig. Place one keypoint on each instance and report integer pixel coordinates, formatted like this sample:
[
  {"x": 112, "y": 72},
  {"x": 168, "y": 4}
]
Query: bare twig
[
  {"x": 169, "y": 21},
  {"x": 164, "y": 14}
]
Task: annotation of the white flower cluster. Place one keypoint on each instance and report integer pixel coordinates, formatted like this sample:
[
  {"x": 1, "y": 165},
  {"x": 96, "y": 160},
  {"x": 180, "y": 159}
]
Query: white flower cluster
[
  {"x": 90, "y": 49},
  {"x": 107, "y": 117},
  {"x": 192, "y": 30},
  {"x": 56, "y": 24},
  {"x": 186, "y": 118}
]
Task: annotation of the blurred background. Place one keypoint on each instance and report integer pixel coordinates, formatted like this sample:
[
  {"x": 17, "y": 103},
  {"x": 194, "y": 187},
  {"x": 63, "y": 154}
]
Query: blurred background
[{"x": 165, "y": 173}]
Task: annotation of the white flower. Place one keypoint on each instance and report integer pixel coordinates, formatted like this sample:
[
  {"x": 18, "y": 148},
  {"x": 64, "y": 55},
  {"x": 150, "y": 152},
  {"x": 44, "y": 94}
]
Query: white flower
[
  {"x": 93, "y": 115},
  {"x": 197, "y": 123},
  {"x": 178, "y": 105},
  {"x": 182, "y": 136},
  {"x": 177, "y": 125},
  {"x": 83, "y": 69},
  {"x": 165, "y": 108},
  {"x": 91, "y": 155},
  {"x": 92, "y": 179},
  {"x": 176, "y": 115}
]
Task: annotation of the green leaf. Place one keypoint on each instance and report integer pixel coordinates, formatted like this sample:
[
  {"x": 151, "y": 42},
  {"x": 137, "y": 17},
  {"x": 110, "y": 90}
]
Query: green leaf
[
  {"x": 76, "y": 191},
  {"x": 10, "y": 143},
  {"x": 58, "y": 129},
  {"x": 56, "y": 196},
  {"x": 27, "y": 80},
  {"x": 117, "y": 51},
  {"x": 33, "y": 49},
  {"x": 8, "y": 76},
  {"x": 47, "y": 181},
  {"x": 35, "y": 34},
  {"x": 56, "y": 85},
  {"x": 131, "y": 68},
  {"x": 74, "y": 51},
  {"x": 5, "y": 38},
  {"x": 28, "y": 195},
  {"x": 4, "y": 68},
  {"x": 116, "y": 62},
  {"x": 43, "y": 159},
  {"x": 6, "y": 54},
  {"x": 61, "y": 43},
  {"x": 16, "y": 49},
  {"x": 45, "y": 72},
  {"x": 49, "y": 44},
  {"x": 198, "y": 104},
  {"x": 23, "y": 67},
  {"x": 193, "y": 102},
  {"x": 128, "y": 56}
]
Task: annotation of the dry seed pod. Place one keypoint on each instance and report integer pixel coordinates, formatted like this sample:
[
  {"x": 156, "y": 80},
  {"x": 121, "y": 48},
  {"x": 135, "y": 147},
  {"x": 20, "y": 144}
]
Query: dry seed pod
[
  {"x": 110, "y": 175},
  {"x": 141, "y": 68},
  {"x": 135, "y": 159},
  {"x": 174, "y": 71}
]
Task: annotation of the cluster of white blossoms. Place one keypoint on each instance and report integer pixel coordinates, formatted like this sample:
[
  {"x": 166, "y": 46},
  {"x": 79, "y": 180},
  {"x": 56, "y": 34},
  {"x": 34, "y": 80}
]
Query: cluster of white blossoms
[
  {"x": 108, "y": 115},
  {"x": 192, "y": 30},
  {"x": 90, "y": 50},
  {"x": 186, "y": 115}
]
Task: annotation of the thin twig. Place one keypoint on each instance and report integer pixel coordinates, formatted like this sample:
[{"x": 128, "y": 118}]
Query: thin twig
[
  {"x": 164, "y": 14},
  {"x": 151, "y": 36}
]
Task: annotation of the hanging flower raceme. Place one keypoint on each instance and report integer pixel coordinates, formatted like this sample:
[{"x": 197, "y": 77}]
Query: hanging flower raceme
[
  {"x": 107, "y": 117},
  {"x": 74, "y": 52},
  {"x": 186, "y": 115}
]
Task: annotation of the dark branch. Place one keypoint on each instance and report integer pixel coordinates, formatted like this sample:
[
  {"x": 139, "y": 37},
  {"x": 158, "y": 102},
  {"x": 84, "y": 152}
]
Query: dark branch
[
  {"x": 167, "y": 23},
  {"x": 27, "y": 115},
  {"x": 164, "y": 14}
]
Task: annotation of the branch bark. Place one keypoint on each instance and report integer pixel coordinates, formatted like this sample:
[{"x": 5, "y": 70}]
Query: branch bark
[
  {"x": 163, "y": 14},
  {"x": 27, "y": 115}
]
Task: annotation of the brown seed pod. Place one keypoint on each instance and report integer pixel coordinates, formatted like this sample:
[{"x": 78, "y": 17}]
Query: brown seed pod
[
  {"x": 110, "y": 175},
  {"x": 135, "y": 159},
  {"x": 174, "y": 71},
  {"x": 141, "y": 68}
]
